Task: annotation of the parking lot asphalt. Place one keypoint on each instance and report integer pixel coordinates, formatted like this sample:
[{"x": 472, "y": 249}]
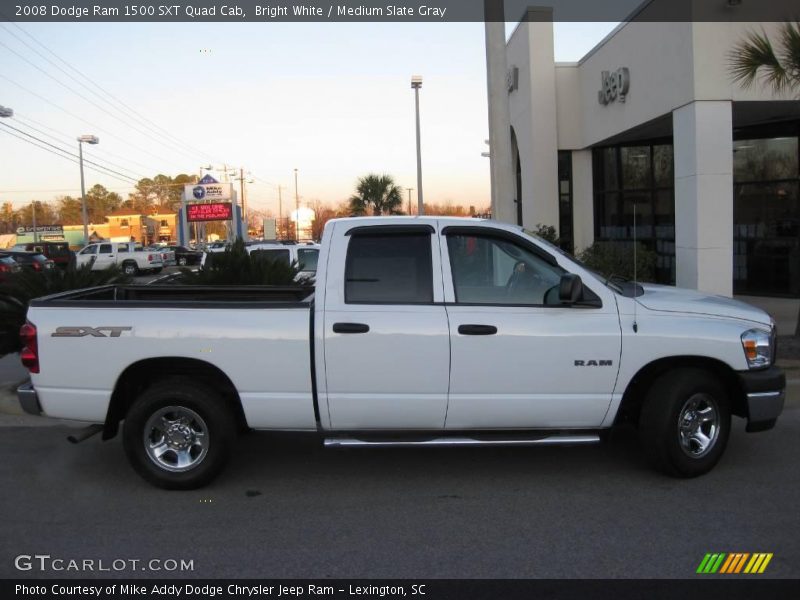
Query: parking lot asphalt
[{"x": 287, "y": 508}]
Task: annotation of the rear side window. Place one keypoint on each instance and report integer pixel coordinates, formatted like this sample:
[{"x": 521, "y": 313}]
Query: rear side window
[
  {"x": 57, "y": 249},
  {"x": 392, "y": 269},
  {"x": 105, "y": 249},
  {"x": 307, "y": 259}
]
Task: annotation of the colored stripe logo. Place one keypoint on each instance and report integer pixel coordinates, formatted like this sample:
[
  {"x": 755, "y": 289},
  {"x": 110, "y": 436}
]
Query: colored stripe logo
[{"x": 734, "y": 563}]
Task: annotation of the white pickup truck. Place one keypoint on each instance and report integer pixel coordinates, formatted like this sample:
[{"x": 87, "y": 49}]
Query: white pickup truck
[
  {"x": 131, "y": 258},
  {"x": 419, "y": 331}
]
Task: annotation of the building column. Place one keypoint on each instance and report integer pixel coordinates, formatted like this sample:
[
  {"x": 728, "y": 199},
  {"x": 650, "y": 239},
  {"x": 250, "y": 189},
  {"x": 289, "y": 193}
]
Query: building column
[
  {"x": 540, "y": 167},
  {"x": 582, "y": 199},
  {"x": 703, "y": 147}
]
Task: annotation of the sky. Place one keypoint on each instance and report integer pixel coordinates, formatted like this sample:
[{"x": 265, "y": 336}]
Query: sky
[{"x": 332, "y": 100}]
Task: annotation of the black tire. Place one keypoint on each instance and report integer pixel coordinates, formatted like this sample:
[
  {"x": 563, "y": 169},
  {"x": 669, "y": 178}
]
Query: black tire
[
  {"x": 182, "y": 262},
  {"x": 209, "y": 452},
  {"x": 130, "y": 268},
  {"x": 157, "y": 271},
  {"x": 677, "y": 416}
]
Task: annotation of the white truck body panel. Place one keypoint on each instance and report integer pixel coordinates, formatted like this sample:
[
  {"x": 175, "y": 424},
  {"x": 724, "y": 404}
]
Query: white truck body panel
[{"x": 78, "y": 378}]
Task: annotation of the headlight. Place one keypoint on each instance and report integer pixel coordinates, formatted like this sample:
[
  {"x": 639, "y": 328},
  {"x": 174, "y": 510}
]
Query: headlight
[{"x": 758, "y": 347}]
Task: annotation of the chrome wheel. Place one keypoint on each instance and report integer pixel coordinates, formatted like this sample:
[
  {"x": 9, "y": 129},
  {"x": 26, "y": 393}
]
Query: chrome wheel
[
  {"x": 182, "y": 261},
  {"x": 176, "y": 438},
  {"x": 129, "y": 269},
  {"x": 698, "y": 425}
]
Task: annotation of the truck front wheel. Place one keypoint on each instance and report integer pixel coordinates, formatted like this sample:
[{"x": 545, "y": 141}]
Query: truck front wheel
[
  {"x": 685, "y": 422},
  {"x": 178, "y": 434}
]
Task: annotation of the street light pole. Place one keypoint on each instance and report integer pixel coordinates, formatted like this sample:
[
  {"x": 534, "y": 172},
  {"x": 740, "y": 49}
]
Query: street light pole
[
  {"x": 88, "y": 139},
  {"x": 416, "y": 84},
  {"x": 296, "y": 210}
]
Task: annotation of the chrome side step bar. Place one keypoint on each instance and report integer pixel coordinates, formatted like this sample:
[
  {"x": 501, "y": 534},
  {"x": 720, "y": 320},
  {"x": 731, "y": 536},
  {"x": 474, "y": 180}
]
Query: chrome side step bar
[{"x": 550, "y": 440}]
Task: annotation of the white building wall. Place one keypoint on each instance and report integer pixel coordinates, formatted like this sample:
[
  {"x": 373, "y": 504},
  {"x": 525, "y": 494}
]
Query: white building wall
[{"x": 680, "y": 70}]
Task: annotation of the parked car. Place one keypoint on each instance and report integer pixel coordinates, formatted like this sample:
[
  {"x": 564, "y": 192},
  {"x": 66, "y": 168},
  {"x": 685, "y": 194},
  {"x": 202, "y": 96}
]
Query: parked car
[
  {"x": 420, "y": 331},
  {"x": 184, "y": 256},
  {"x": 58, "y": 252},
  {"x": 8, "y": 266},
  {"x": 30, "y": 260},
  {"x": 167, "y": 255},
  {"x": 305, "y": 255},
  {"x": 131, "y": 259}
]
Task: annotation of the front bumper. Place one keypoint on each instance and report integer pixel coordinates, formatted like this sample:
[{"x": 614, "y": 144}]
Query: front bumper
[
  {"x": 765, "y": 391},
  {"x": 28, "y": 399}
]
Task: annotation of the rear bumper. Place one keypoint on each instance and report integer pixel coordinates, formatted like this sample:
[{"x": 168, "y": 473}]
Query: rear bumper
[
  {"x": 28, "y": 399},
  {"x": 765, "y": 392}
]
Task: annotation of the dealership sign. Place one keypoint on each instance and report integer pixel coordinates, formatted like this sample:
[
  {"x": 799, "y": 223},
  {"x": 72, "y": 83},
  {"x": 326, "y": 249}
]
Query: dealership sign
[
  {"x": 208, "y": 191},
  {"x": 614, "y": 85},
  {"x": 217, "y": 211},
  {"x": 44, "y": 229}
]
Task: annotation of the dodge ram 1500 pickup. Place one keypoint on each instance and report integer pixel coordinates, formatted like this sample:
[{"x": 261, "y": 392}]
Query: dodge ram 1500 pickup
[{"x": 418, "y": 331}]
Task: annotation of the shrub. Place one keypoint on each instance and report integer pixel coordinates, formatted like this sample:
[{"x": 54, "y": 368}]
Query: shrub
[
  {"x": 235, "y": 266},
  {"x": 616, "y": 259},
  {"x": 22, "y": 287}
]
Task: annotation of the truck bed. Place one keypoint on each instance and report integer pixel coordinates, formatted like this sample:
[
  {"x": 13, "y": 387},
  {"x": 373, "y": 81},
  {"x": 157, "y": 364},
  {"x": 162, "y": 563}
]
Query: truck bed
[{"x": 181, "y": 296}]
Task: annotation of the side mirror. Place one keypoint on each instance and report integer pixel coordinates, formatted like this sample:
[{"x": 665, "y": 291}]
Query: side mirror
[{"x": 570, "y": 288}]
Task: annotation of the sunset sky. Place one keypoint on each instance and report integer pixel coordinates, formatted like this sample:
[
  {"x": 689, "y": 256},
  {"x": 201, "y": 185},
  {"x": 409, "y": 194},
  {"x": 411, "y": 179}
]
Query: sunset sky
[{"x": 330, "y": 99}]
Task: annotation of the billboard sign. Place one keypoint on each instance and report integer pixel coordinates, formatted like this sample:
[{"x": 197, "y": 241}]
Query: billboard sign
[
  {"x": 216, "y": 211},
  {"x": 208, "y": 191},
  {"x": 42, "y": 229}
]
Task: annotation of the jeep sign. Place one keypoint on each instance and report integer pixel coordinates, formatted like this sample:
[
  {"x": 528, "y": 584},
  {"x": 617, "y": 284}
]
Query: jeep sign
[{"x": 614, "y": 86}]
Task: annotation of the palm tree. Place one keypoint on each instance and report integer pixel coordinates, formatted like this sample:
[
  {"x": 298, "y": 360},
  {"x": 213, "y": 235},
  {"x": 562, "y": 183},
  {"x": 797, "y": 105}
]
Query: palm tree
[
  {"x": 378, "y": 192},
  {"x": 779, "y": 65}
]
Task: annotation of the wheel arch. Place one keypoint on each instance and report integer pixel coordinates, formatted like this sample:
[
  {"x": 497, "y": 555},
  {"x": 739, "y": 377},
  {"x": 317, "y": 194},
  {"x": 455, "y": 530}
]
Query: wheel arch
[
  {"x": 142, "y": 374},
  {"x": 640, "y": 383}
]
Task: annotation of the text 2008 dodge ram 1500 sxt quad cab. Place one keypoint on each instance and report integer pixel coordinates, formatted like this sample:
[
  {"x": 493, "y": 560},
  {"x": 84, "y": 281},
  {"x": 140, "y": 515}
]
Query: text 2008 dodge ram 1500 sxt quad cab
[{"x": 419, "y": 331}]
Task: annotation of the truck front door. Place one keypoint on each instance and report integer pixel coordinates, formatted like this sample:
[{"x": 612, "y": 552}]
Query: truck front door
[
  {"x": 387, "y": 348},
  {"x": 520, "y": 359}
]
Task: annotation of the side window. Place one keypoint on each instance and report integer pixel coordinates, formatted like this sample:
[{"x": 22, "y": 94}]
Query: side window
[
  {"x": 489, "y": 270},
  {"x": 307, "y": 259},
  {"x": 105, "y": 249},
  {"x": 389, "y": 269},
  {"x": 89, "y": 250},
  {"x": 272, "y": 255}
]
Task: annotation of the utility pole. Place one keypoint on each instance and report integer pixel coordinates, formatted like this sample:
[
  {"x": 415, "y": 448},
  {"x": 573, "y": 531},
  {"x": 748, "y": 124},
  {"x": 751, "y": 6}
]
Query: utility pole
[
  {"x": 33, "y": 208},
  {"x": 296, "y": 210},
  {"x": 409, "y": 199}
]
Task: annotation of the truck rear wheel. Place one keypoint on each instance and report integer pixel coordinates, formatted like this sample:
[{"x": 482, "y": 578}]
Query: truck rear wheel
[
  {"x": 178, "y": 434},
  {"x": 685, "y": 422},
  {"x": 130, "y": 268}
]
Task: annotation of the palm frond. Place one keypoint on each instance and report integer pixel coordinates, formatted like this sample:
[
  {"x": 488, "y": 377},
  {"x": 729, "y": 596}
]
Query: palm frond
[{"x": 790, "y": 53}]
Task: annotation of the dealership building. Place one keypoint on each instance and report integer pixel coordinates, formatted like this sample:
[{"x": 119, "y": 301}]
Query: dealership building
[{"x": 650, "y": 125}]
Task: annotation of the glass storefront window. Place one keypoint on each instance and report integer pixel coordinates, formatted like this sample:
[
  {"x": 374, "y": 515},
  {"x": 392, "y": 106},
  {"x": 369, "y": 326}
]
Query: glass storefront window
[
  {"x": 646, "y": 174},
  {"x": 565, "y": 218},
  {"x": 635, "y": 167},
  {"x": 765, "y": 160},
  {"x": 662, "y": 166},
  {"x": 766, "y": 216}
]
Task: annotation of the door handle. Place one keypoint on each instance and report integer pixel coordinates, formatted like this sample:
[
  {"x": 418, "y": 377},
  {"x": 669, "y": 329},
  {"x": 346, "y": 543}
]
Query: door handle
[
  {"x": 477, "y": 329},
  {"x": 350, "y": 328}
]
